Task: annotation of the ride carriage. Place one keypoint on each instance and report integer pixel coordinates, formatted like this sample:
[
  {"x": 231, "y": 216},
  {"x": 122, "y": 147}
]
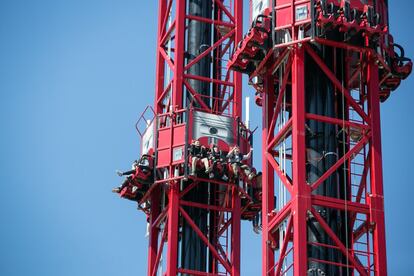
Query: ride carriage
[{"x": 139, "y": 183}]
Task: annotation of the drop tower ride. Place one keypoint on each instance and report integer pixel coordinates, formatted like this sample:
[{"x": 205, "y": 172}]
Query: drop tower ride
[{"x": 320, "y": 69}]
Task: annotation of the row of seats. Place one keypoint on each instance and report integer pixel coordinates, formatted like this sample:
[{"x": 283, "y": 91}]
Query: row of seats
[
  {"x": 253, "y": 48},
  {"x": 400, "y": 68},
  {"x": 203, "y": 163},
  {"x": 210, "y": 163},
  {"x": 349, "y": 19}
]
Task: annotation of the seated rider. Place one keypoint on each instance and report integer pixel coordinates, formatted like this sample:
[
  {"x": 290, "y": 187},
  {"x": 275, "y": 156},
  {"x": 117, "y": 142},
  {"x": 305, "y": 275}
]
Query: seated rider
[
  {"x": 215, "y": 156},
  {"x": 235, "y": 158},
  {"x": 129, "y": 175},
  {"x": 144, "y": 163},
  {"x": 197, "y": 153}
]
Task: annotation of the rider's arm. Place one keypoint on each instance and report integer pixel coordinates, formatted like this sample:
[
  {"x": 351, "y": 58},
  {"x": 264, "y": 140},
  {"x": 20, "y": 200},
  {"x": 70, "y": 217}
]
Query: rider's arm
[
  {"x": 247, "y": 156},
  {"x": 128, "y": 172}
]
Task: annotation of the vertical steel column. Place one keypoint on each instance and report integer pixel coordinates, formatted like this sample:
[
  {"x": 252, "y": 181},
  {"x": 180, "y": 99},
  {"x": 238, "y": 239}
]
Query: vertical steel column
[
  {"x": 376, "y": 199},
  {"x": 301, "y": 191},
  {"x": 153, "y": 235},
  {"x": 179, "y": 53},
  {"x": 173, "y": 208},
  {"x": 268, "y": 192},
  {"x": 177, "y": 100},
  {"x": 237, "y": 113},
  {"x": 235, "y": 233},
  {"x": 160, "y": 69},
  {"x": 238, "y": 97},
  {"x": 159, "y": 86}
]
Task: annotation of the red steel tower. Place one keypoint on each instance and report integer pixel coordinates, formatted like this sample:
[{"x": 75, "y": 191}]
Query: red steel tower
[
  {"x": 321, "y": 69},
  {"x": 194, "y": 220}
]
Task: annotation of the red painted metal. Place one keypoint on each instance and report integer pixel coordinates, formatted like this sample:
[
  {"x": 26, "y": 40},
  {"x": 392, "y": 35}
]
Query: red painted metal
[
  {"x": 173, "y": 124},
  {"x": 361, "y": 76},
  {"x": 267, "y": 178},
  {"x": 376, "y": 198},
  {"x": 369, "y": 74},
  {"x": 301, "y": 192},
  {"x": 302, "y": 200}
]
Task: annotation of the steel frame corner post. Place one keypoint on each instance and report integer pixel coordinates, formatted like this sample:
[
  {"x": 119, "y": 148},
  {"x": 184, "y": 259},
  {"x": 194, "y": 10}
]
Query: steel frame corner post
[
  {"x": 173, "y": 210},
  {"x": 153, "y": 236},
  {"x": 301, "y": 190},
  {"x": 159, "y": 67},
  {"x": 237, "y": 108},
  {"x": 179, "y": 54},
  {"x": 267, "y": 175},
  {"x": 159, "y": 84},
  {"x": 236, "y": 233},
  {"x": 376, "y": 198},
  {"x": 237, "y": 112}
]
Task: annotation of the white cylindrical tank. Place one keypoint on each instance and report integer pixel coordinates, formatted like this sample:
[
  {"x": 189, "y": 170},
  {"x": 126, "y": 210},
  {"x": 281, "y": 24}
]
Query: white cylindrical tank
[{"x": 247, "y": 115}]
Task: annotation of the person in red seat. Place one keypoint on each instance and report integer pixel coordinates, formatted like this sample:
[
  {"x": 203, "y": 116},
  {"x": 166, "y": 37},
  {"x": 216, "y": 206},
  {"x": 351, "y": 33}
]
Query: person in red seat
[
  {"x": 235, "y": 158},
  {"x": 128, "y": 179},
  {"x": 198, "y": 153}
]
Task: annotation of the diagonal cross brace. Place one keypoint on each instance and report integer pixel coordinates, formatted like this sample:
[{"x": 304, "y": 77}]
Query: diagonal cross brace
[
  {"x": 205, "y": 240},
  {"x": 338, "y": 242}
]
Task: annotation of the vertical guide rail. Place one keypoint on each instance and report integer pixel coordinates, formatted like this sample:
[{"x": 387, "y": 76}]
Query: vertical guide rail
[
  {"x": 159, "y": 86},
  {"x": 376, "y": 198},
  {"x": 237, "y": 95},
  {"x": 177, "y": 99},
  {"x": 267, "y": 174},
  {"x": 301, "y": 191},
  {"x": 237, "y": 111},
  {"x": 235, "y": 233}
]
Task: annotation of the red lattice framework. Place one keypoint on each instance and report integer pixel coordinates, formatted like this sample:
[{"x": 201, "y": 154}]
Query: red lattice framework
[
  {"x": 285, "y": 228},
  {"x": 167, "y": 213},
  {"x": 173, "y": 71},
  {"x": 366, "y": 78}
]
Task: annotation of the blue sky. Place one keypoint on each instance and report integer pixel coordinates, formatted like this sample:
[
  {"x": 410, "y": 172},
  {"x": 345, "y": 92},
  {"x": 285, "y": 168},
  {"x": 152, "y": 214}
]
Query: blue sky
[{"x": 74, "y": 76}]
